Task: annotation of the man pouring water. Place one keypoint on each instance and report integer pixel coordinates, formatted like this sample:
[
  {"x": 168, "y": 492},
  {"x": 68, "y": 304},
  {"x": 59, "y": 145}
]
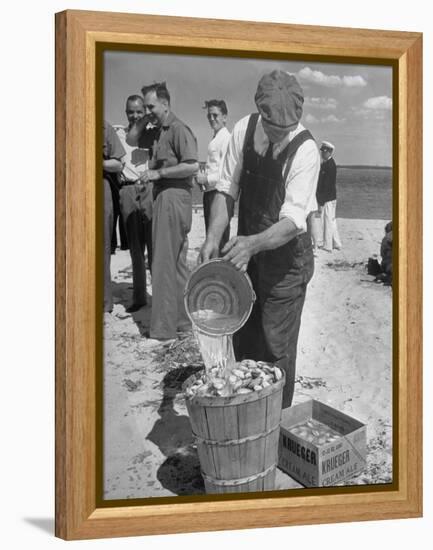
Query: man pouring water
[{"x": 272, "y": 164}]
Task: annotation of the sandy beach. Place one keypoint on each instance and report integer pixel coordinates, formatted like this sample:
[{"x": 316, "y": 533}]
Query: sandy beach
[{"x": 344, "y": 359}]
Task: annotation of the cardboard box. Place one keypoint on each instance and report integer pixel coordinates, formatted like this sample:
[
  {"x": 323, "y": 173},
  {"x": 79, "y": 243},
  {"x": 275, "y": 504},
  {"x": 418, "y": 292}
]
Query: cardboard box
[{"x": 315, "y": 465}]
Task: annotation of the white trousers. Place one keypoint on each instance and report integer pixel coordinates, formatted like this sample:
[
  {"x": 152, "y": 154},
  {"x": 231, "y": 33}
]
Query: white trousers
[{"x": 323, "y": 227}]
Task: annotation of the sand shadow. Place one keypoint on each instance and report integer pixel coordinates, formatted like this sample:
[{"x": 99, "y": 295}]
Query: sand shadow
[
  {"x": 180, "y": 472},
  {"x": 122, "y": 294}
]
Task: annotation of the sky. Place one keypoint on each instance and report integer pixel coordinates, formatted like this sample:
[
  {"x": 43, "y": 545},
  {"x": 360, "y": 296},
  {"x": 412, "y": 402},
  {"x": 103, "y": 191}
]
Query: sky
[{"x": 349, "y": 105}]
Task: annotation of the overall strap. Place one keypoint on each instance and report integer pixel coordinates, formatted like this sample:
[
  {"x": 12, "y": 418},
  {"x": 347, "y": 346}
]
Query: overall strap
[
  {"x": 249, "y": 135},
  {"x": 292, "y": 148}
]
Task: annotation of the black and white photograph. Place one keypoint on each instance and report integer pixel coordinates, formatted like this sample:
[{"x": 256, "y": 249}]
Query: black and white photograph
[{"x": 248, "y": 299}]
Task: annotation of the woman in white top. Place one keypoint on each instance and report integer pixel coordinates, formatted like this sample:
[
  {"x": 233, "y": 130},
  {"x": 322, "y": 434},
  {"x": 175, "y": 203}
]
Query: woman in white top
[{"x": 217, "y": 117}]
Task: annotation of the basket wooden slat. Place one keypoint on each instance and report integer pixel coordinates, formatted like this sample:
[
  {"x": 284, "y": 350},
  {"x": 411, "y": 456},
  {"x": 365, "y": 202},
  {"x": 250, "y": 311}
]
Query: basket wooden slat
[{"x": 237, "y": 438}]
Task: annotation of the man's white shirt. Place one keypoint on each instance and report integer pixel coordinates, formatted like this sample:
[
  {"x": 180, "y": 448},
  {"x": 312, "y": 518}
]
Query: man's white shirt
[
  {"x": 215, "y": 155},
  {"x": 131, "y": 170},
  {"x": 301, "y": 182}
]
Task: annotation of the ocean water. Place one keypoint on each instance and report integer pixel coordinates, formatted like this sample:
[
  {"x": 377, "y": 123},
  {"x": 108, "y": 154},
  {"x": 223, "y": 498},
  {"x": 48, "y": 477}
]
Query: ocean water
[{"x": 362, "y": 192}]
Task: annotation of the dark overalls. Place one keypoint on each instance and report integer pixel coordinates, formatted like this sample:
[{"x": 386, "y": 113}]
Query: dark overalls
[{"x": 279, "y": 276}]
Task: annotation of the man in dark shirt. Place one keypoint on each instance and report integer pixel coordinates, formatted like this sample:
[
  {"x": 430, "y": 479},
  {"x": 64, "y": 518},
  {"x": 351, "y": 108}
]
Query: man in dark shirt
[
  {"x": 112, "y": 154},
  {"x": 175, "y": 162},
  {"x": 326, "y": 196}
]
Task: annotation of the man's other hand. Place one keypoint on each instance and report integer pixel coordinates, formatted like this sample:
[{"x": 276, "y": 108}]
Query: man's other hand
[
  {"x": 208, "y": 251},
  {"x": 238, "y": 251},
  {"x": 150, "y": 175}
]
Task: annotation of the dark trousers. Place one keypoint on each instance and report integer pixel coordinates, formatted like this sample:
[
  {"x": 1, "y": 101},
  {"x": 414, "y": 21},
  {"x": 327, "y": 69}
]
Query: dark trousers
[
  {"x": 139, "y": 234},
  {"x": 115, "y": 194},
  {"x": 172, "y": 217},
  {"x": 272, "y": 330},
  {"x": 108, "y": 228},
  {"x": 207, "y": 202}
]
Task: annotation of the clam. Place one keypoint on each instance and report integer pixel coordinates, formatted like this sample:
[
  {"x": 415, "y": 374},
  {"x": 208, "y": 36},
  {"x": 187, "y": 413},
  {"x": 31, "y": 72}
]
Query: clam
[
  {"x": 244, "y": 390},
  {"x": 278, "y": 373},
  {"x": 219, "y": 383},
  {"x": 237, "y": 385},
  {"x": 238, "y": 373},
  {"x": 233, "y": 379}
]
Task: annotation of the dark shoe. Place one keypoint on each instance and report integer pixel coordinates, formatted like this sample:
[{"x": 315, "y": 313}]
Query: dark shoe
[
  {"x": 373, "y": 267},
  {"x": 134, "y": 307}
]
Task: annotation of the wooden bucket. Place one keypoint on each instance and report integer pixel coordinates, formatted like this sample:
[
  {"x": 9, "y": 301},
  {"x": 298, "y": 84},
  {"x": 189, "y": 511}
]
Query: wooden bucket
[{"x": 237, "y": 438}]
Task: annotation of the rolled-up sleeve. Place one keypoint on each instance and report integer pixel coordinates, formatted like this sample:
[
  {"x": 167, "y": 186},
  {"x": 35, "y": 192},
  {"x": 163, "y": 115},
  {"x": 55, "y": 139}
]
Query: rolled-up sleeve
[
  {"x": 113, "y": 148},
  {"x": 232, "y": 164},
  {"x": 301, "y": 186}
]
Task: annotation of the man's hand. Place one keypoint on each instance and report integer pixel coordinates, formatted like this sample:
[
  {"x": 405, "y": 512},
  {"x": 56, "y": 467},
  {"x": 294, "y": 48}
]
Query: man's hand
[
  {"x": 239, "y": 251},
  {"x": 201, "y": 178},
  {"x": 150, "y": 175},
  {"x": 208, "y": 251}
]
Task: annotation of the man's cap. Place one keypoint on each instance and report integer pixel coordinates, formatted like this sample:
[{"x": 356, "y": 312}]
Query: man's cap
[
  {"x": 327, "y": 145},
  {"x": 279, "y": 99}
]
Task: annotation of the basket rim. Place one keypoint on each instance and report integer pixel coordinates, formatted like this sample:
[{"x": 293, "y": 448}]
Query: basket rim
[{"x": 231, "y": 400}]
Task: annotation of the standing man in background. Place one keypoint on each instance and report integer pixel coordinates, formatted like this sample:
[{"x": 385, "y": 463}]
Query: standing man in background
[
  {"x": 117, "y": 218},
  {"x": 112, "y": 154},
  {"x": 273, "y": 162},
  {"x": 217, "y": 117},
  {"x": 136, "y": 199},
  {"x": 327, "y": 199},
  {"x": 175, "y": 163}
]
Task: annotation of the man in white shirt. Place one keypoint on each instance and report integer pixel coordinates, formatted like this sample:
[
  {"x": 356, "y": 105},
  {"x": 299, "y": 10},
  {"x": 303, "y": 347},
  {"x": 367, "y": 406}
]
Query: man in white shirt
[
  {"x": 273, "y": 164},
  {"x": 136, "y": 199},
  {"x": 217, "y": 117}
]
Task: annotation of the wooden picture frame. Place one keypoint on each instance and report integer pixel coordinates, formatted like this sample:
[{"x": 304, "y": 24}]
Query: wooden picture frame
[{"x": 79, "y": 34}]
